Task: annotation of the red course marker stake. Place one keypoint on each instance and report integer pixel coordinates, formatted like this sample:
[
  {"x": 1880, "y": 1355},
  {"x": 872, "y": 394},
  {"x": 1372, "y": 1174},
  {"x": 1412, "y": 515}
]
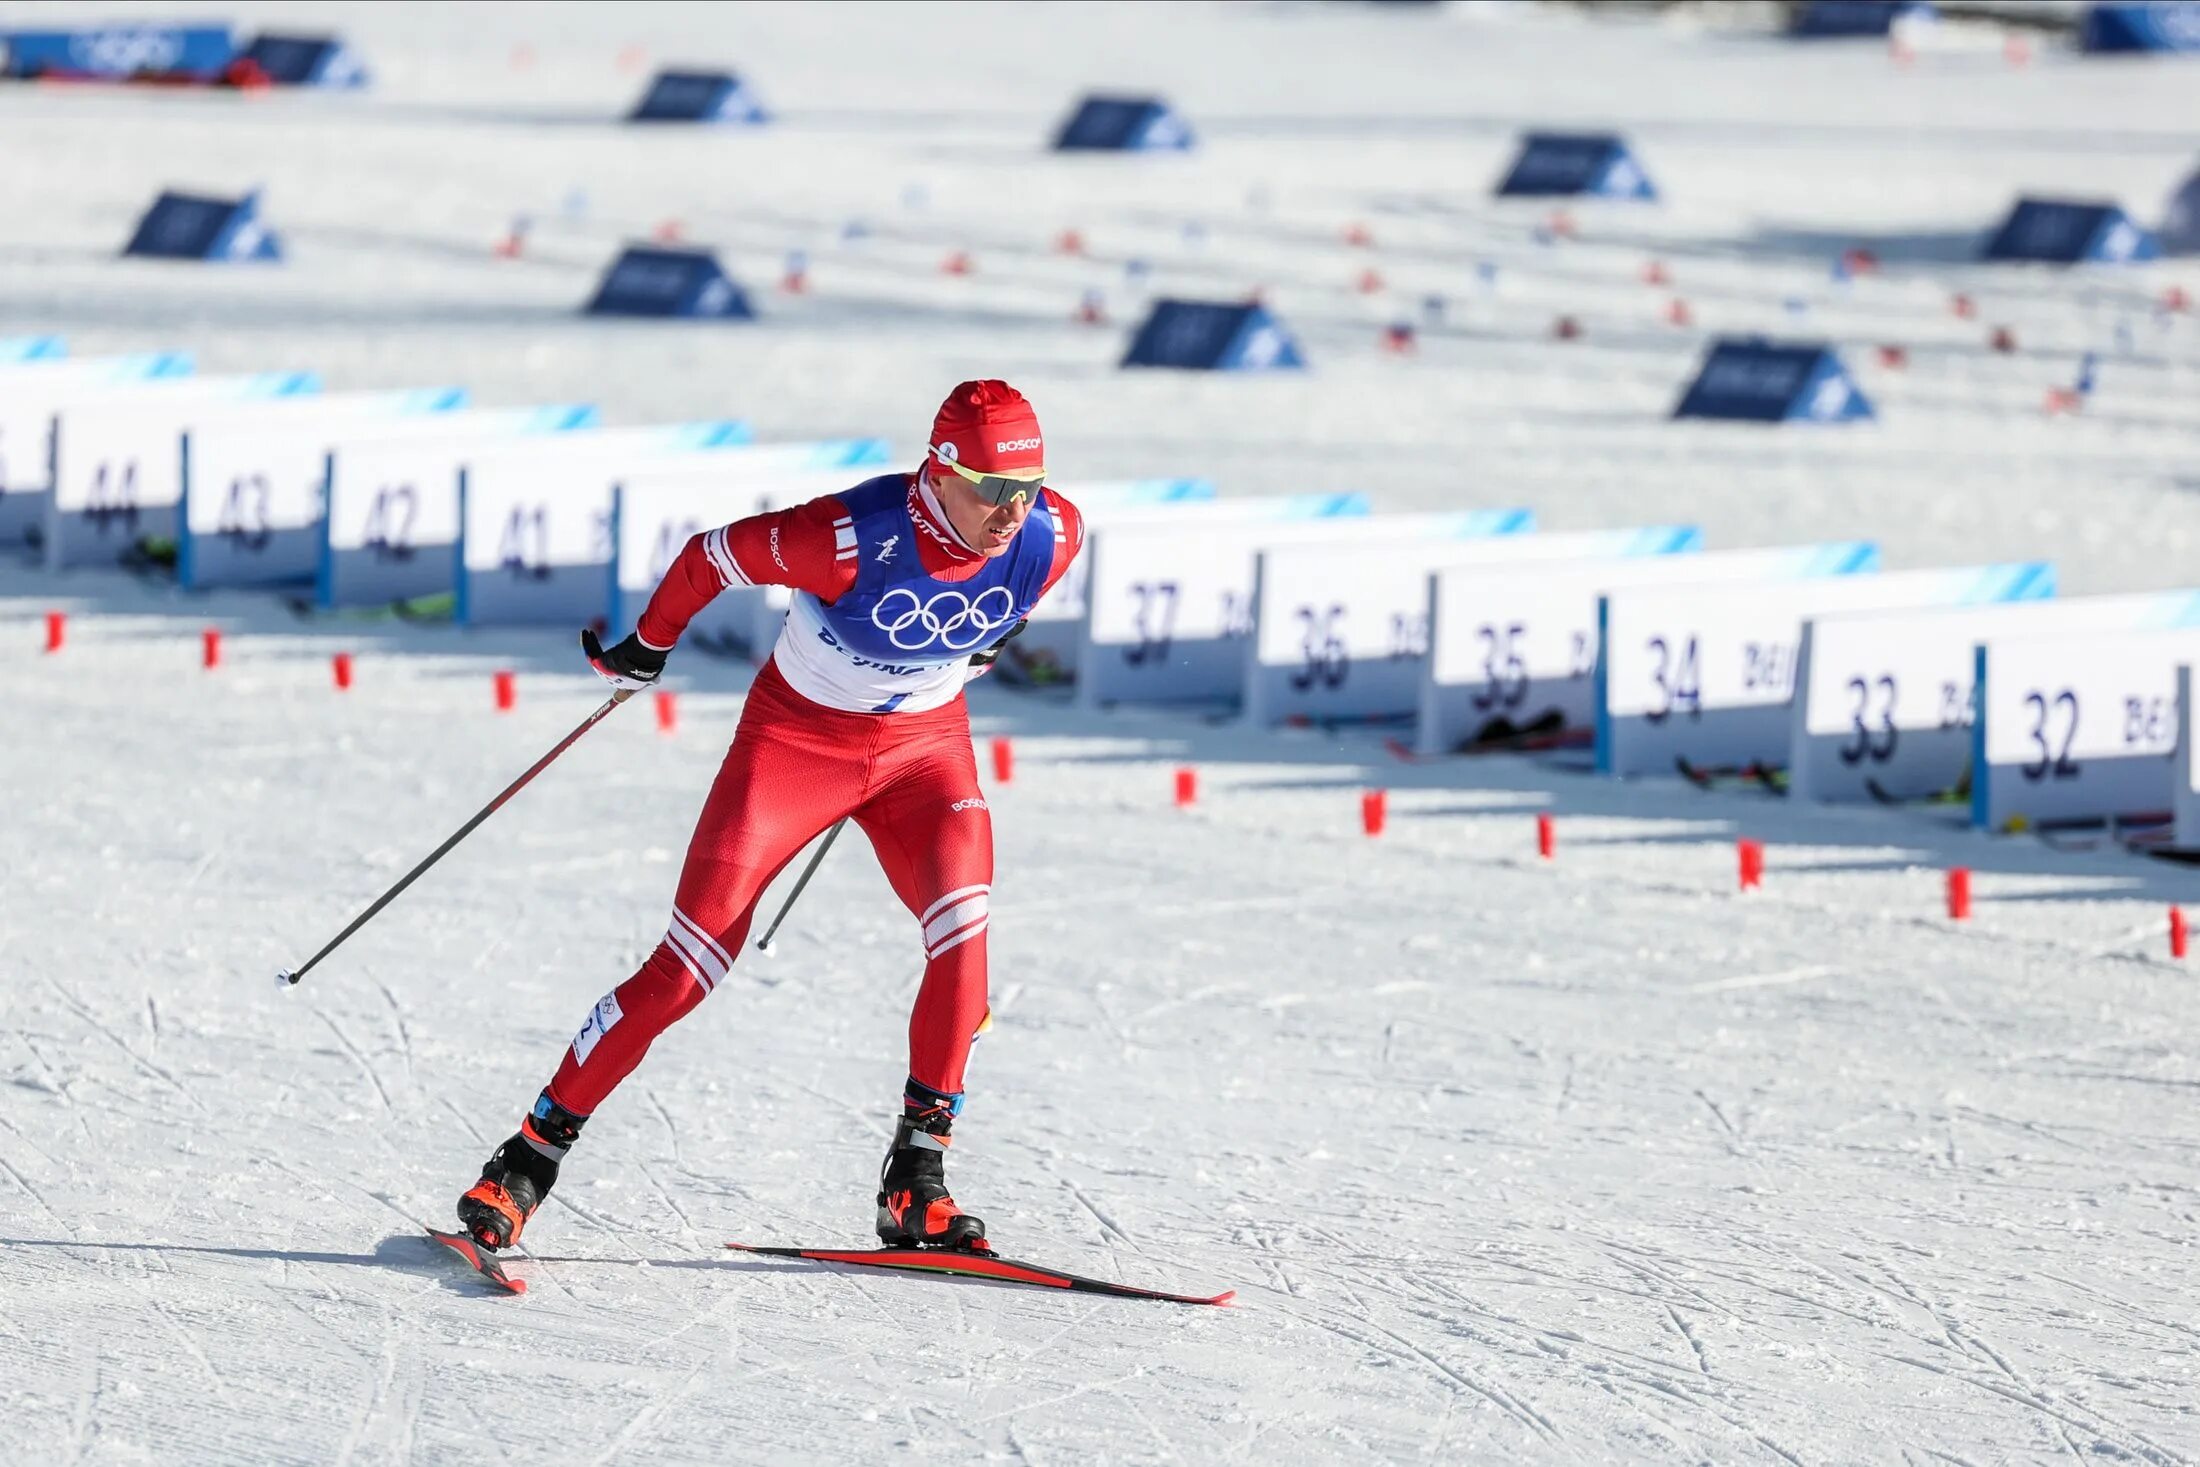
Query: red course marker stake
[
  {"x": 1751, "y": 854},
  {"x": 668, "y": 711},
  {"x": 2177, "y": 932},
  {"x": 1187, "y": 787},
  {"x": 1959, "y": 893},
  {"x": 340, "y": 665},
  {"x": 1374, "y": 806},
  {"x": 210, "y": 648},
  {"x": 1546, "y": 837},
  {"x": 56, "y": 625},
  {"x": 1004, "y": 761},
  {"x": 507, "y": 693}
]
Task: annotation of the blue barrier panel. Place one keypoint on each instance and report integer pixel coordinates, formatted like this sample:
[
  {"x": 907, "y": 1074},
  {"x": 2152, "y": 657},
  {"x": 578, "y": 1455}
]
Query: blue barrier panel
[
  {"x": 1566, "y": 164},
  {"x": 1213, "y": 336},
  {"x": 306, "y": 61},
  {"x": 1753, "y": 380},
  {"x": 32, "y": 349},
  {"x": 2180, "y": 231},
  {"x": 119, "y": 51},
  {"x": 1832, "y": 18},
  {"x": 1104, "y": 124},
  {"x": 2060, "y": 232},
  {"x": 698, "y": 96},
  {"x": 649, "y": 281},
  {"x": 2163, "y": 25},
  {"x": 195, "y": 227}
]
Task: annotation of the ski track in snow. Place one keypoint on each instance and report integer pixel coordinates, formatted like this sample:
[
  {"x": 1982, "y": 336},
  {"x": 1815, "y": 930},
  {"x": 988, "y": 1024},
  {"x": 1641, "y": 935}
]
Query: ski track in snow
[{"x": 1595, "y": 1160}]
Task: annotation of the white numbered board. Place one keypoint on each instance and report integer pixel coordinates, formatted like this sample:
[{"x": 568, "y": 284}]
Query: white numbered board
[
  {"x": 1516, "y": 650},
  {"x": 391, "y": 531},
  {"x": 1169, "y": 606},
  {"x": 1342, "y": 631},
  {"x": 1704, "y": 674},
  {"x": 241, "y": 468},
  {"x": 2077, "y": 728},
  {"x": 2186, "y": 787},
  {"x": 30, "y": 392},
  {"x": 1046, "y": 650},
  {"x": 535, "y": 532},
  {"x": 254, "y": 497},
  {"x": 1884, "y": 709},
  {"x": 118, "y": 459}
]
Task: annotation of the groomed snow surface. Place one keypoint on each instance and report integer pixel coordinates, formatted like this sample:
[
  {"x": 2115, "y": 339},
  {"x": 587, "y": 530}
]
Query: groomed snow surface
[{"x": 1590, "y": 1160}]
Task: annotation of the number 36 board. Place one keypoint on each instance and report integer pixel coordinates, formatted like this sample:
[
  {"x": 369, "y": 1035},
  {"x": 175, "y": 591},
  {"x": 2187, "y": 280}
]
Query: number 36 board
[{"x": 1167, "y": 610}]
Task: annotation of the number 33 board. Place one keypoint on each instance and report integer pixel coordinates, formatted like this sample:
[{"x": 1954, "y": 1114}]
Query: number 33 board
[
  {"x": 1885, "y": 698},
  {"x": 2076, "y": 727},
  {"x": 1705, "y": 673},
  {"x": 1512, "y": 649},
  {"x": 1343, "y": 629},
  {"x": 1168, "y": 605}
]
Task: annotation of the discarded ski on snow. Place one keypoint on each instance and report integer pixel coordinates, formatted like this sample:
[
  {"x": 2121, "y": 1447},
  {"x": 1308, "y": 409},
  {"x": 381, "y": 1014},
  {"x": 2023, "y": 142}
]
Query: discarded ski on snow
[
  {"x": 982, "y": 1266},
  {"x": 479, "y": 1261}
]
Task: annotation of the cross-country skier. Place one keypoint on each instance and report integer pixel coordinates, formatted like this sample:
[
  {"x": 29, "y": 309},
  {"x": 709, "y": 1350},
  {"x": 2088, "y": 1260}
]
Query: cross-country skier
[{"x": 905, "y": 587}]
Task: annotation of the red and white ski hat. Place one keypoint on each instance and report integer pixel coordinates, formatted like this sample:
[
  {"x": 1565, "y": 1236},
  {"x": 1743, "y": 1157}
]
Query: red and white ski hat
[{"x": 989, "y": 427}]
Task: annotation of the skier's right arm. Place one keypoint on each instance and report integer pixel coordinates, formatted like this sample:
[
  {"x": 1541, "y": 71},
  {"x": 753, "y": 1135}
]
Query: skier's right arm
[{"x": 810, "y": 547}]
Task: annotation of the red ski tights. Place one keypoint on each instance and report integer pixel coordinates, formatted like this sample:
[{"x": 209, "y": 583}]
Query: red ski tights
[{"x": 909, "y": 780}]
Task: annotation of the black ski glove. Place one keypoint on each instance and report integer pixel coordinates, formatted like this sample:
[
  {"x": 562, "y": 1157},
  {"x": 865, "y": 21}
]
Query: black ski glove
[
  {"x": 632, "y": 665},
  {"x": 986, "y": 657}
]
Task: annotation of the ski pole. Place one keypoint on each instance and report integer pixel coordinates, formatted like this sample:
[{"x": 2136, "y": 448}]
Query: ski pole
[
  {"x": 764, "y": 943},
  {"x": 287, "y": 978}
]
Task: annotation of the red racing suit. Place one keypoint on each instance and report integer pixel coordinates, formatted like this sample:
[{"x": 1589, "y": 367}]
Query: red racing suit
[{"x": 859, "y": 713}]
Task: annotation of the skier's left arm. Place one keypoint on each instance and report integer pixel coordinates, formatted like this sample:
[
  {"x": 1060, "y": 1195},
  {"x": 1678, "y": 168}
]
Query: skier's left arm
[{"x": 1069, "y": 538}]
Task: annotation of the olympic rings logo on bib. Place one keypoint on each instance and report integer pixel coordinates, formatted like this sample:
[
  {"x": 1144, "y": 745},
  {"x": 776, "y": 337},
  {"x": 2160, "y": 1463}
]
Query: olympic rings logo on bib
[{"x": 947, "y": 618}]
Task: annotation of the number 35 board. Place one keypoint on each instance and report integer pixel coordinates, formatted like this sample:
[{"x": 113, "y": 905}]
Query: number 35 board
[
  {"x": 1516, "y": 649},
  {"x": 1168, "y": 605},
  {"x": 1342, "y": 630},
  {"x": 2076, "y": 727},
  {"x": 1705, "y": 673},
  {"x": 1884, "y": 707}
]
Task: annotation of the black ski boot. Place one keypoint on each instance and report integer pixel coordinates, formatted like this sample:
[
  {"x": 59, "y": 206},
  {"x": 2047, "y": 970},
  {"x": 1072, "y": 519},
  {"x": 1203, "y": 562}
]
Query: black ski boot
[
  {"x": 914, "y": 1209},
  {"x": 520, "y": 1175}
]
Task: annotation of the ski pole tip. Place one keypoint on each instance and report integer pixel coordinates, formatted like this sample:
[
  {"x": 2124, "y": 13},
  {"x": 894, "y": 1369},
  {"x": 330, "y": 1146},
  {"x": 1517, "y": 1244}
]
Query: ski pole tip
[
  {"x": 768, "y": 948},
  {"x": 284, "y": 978}
]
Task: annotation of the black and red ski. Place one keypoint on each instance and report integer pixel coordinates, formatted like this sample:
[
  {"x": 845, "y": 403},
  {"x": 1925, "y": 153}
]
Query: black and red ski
[
  {"x": 969, "y": 1263},
  {"x": 480, "y": 1260}
]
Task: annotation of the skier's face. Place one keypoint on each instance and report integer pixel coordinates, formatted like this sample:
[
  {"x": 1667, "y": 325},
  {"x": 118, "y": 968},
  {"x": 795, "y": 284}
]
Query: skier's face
[{"x": 991, "y": 528}]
